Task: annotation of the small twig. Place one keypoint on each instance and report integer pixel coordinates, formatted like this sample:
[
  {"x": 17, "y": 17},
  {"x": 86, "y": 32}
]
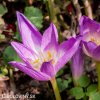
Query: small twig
[
  {"x": 63, "y": 23},
  {"x": 12, "y": 83},
  {"x": 88, "y": 8},
  {"x": 73, "y": 25},
  {"x": 53, "y": 18},
  {"x": 8, "y": 31},
  {"x": 78, "y": 9}
]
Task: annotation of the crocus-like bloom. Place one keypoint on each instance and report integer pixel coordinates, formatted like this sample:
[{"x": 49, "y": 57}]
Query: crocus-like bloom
[
  {"x": 90, "y": 31},
  {"x": 77, "y": 66},
  {"x": 42, "y": 56}
]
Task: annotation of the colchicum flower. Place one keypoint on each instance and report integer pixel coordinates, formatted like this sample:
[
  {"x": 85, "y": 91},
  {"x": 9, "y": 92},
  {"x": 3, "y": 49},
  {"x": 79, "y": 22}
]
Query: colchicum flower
[
  {"x": 90, "y": 31},
  {"x": 42, "y": 56},
  {"x": 77, "y": 66}
]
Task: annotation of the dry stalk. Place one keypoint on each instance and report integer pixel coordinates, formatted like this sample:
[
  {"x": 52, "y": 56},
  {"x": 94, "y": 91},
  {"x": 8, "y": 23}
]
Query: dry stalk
[
  {"x": 88, "y": 8},
  {"x": 78, "y": 9}
]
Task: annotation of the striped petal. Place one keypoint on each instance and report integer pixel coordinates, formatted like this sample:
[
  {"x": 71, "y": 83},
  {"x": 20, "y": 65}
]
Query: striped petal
[
  {"x": 96, "y": 54},
  {"x": 88, "y": 26},
  {"x": 48, "y": 69},
  {"x": 31, "y": 37},
  {"x": 24, "y": 53},
  {"x": 88, "y": 48},
  {"x": 68, "y": 49},
  {"x": 50, "y": 38},
  {"x": 32, "y": 73},
  {"x": 77, "y": 66}
]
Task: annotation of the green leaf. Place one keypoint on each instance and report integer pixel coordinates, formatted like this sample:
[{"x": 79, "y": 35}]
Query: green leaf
[
  {"x": 77, "y": 92},
  {"x": 91, "y": 89},
  {"x": 4, "y": 70},
  {"x": 95, "y": 96},
  {"x": 17, "y": 36},
  {"x": 84, "y": 81},
  {"x": 60, "y": 73},
  {"x": 10, "y": 54},
  {"x": 3, "y": 10},
  {"x": 34, "y": 15},
  {"x": 62, "y": 84},
  {"x": 2, "y": 38}
]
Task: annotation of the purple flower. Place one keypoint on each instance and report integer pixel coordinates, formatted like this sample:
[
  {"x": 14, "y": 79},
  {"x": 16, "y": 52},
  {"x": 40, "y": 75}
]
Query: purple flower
[
  {"x": 77, "y": 66},
  {"x": 77, "y": 63},
  {"x": 42, "y": 56},
  {"x": 90, "y": 31}
]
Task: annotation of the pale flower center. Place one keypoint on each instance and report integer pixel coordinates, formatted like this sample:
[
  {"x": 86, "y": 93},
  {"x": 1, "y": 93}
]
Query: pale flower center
[
  {"x": 93, "y": 39},
  {"x": 42, "y": 58}
]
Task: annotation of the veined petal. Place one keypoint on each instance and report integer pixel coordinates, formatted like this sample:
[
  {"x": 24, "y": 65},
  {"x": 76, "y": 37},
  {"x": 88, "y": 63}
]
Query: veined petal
[
  {"x": 24, "y": 53},
  {"x": 77, "y": 66},
  {"x": 96, "y": 54},
  {"x": 31, "y": 37},
  {"x": 50, "y": 37},
  {"x": 32, "y": 73},
  {"x": 48, "y": 69},
  {"x": 67, "y": 52},
  {"x": 88, "y": 48},
  {"x": 89, "y": 29},
  {"x": 88, "y": 25},
  {"x": 66, "y": 45}
]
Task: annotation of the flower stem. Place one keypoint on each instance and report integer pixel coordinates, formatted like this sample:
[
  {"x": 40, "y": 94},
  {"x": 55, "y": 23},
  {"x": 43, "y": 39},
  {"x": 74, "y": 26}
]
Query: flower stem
[
  {"x": 55, "y": 88},
  {"x": 88, "y": 8},
  {"x": 12, "y": 83},
  {"x": 53, "y": 16},
  {"x": 98, "y": 74},
  {"x": 75, "y": 82},
  {"x": 52, "y": 12}
]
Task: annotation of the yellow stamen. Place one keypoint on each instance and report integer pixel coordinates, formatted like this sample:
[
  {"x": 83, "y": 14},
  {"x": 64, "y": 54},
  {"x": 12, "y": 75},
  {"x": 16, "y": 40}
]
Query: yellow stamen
[
  {"x": 49, "y": 55},
  {"x": 92, "y": 39},
  {"x": 44, "y": 60},
  {"x": 95, "y": 40},
  {"x": 36, "y": 61},
  {"x": 53, "y": 61}
]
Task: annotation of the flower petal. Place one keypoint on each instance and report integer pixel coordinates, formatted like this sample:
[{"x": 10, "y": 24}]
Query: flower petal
[
  {"x": 32, "y": 73},
  {"x": 88, "y": 25},
  {"x": 50, "y": 37},
  {"x": 31, "y": 37},
  {"x": 24, "y": 53},
  {"x": 89, "y": 29},
  {"x": 66, "y": 45},
  {"x": 77, "y": 66},
  {"x": 96, "y": 54},
  {"x": 69, "y": 48},
  {"x": 48, "y": 69},
  {"x": 88, "y": 48}
]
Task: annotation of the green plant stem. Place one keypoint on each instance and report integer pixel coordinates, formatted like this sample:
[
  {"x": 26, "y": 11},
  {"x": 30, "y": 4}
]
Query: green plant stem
[
  {"x": 53, "y": 18},
  {"x": 12, "y": 83},
  {"x": 55, "y": 89},
  {"x": 52, "y": 11},
  {"x": 98, "y": 74},
  {"x": 75, "y": 81}
]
